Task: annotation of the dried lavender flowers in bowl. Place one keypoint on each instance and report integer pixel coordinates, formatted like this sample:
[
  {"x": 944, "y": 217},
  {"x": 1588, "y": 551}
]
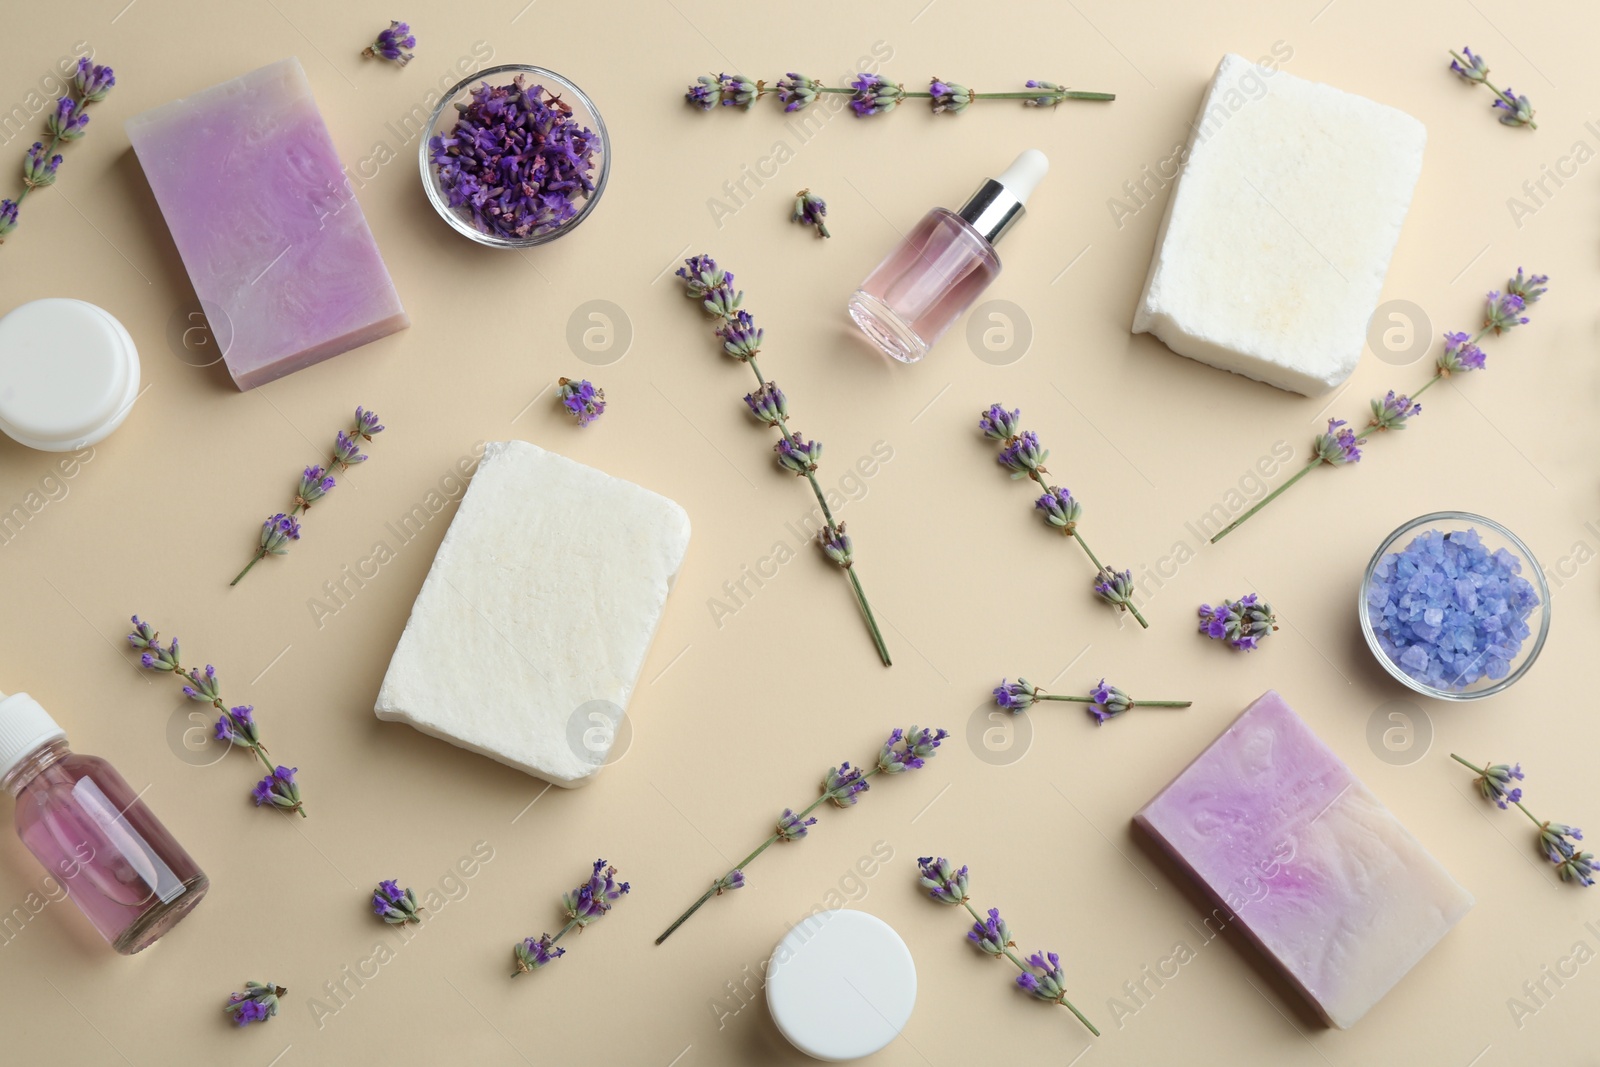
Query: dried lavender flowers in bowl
[
  {"x": 515, "y": 156},
  {"x": 1455, "y": 606}
]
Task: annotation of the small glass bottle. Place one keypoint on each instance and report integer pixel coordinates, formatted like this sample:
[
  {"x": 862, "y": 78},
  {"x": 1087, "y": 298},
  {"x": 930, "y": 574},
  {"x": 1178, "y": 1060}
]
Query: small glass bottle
[
  {"x": 92, "y": 832},
  {"x": 933, "y": 276}
]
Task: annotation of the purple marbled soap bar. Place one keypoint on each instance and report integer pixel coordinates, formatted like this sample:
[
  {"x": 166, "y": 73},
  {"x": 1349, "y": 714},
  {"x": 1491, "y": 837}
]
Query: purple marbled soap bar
[
  {"x": 267, "y": 224},
  {"x": 1306, "y": 860}
]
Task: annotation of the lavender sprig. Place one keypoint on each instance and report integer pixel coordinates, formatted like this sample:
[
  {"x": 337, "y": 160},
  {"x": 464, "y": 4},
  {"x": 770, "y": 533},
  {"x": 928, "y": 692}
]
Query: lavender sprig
[
  {"x": 1555, "y": 839},
  {"x": 91, "y": 83},
  {"x": 1041, "y": 975},
  {"x": 315, "y": 483},
  {"x": 1105, "y": 701},
  {"x": 1023, "y": 455},
  {"x": 809, "y": 209},
  {"x": 257, "y": 1004},
  {"x": 583, "y": 906},
  {"x": 1341, "y": 445},
  {"x": 905, "y": 750},
  {"x": 236, "y": 726},
  {"x": 1242, "y": 623},
  {"x": 870, "y": 94},
  {"x": 1474, "y": 70},
  {"x": 581, "y": 399},
  {"x": 391, "y": 44},
  {"x": 394, "y": 905},
  {"x": 741, "y": 339}
]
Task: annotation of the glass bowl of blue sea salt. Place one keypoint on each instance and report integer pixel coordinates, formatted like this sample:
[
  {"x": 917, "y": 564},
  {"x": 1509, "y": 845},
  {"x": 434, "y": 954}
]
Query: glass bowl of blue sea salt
[{"x": 1455, "y": 606}]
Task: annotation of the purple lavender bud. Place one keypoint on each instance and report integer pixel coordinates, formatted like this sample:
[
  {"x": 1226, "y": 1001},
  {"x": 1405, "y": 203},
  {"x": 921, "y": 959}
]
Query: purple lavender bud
[
  {"x": 843, "y": 785},
  {"x": 796, "y": 91},
  {"x": 1338, "y": 446},
  {"x": 8, "y": 218},
  {"x": 67, "y": 121},
  {"x": 347, "y": 449},
  {"x": 143, "y": 635},
  {"x": 37, "y": 170},
  {"x": 1059, "y": 509},
  {"x": 992, "y": 935},
  {"x": 1530, "y": 289},
  {"x": 203, "y": 685},
  {"x": 1108, "y": 702},
  {"x": 534, "y": 953},
  {"x": 1050, "y": 983},
  {"x": 1495, "y": 784},
  {"x": 741, "y": 337},
  {"x": 257, "y": 1004},
  {"x": 1517, "y": 111},
  {"x": 278, "y": 789},
  {"x": 809, "y": 208},
  {"x": 1476, "y": 70},
  {"x": 314, "y": 485},
  {"x": 1023, "y": 456},
  {"x": 1503, "y": 311},
  {"x": 1460, "y": 355},
  {"x": 948, "y": 96},
  {"x": 999, "y": 424},
  {"x": 1114, "y": 587},
  {"x": 1051, "y": 95},
  {"x": 908, "y": 750},
  {"x": 1214, "y": 621},
  {"x": 588, "y": 903},
  {"x": 1578, "y": 867},
  {"x": 722, "y": 300},
  {"x": 1016, "y": 697},
  {"x": 739, "y": 91},
  {"x": 277, "y": 532},
  {"x": 367, "y": 423},
  {"x": 395, "y": 905},
  {"x": 237, "y": 726},
  {"x": 1392, "y": 411},
  {"x": 93, "y": 81},
  {"x": 791, "y": 827},
  {"x": 874, "y": 95},
  {"x": 705, "y": 92},
  {"x": 581, "y": 399},
  {"x": 391, "y": 44},
  {"x": 1554, "y": 840},
  {"x": 836, "y": 544},
  {"x": 700, "y": 275},
  {"x": 768, "y": 404},
  {"x": 943, "y": 881},
  {"x": 797, "y": 454},
  {"x": 730, "y": 881}
]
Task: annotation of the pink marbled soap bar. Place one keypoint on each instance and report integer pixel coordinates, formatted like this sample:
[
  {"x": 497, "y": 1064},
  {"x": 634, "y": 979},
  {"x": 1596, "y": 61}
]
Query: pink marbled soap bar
[
  {"x": 1306, "y": 860},
  {"x": 267, "y": 224}
]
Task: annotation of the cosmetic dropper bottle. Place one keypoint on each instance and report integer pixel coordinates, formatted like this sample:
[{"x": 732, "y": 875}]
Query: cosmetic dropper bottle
[
  {"x": 92, "y": 832},
  {"x": 933, "y": 276}
]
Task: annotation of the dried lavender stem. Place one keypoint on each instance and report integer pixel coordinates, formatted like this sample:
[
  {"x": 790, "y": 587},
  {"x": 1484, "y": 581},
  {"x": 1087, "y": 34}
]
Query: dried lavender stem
[
  {"x": 1031, "y": 94},
  {"x": 1504, "y": 96},
  {"x": 1023, "y": 968}
]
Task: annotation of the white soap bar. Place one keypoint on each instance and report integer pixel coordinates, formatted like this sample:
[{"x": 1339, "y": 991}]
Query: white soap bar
[
  {"x": 530, "y": 631},
  {"x": 1279, "y": 231},
  {"x": 841, "y": 985}
]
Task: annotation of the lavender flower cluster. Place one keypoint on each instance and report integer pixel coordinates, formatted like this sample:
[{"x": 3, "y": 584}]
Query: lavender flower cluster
[
  {"x": 1104, "y": 702},
  {"x": 1473, "y": 69},
  {"x": 870, "y": 94},
  {"x": 516, "y": 160},
  {"x": 1448, "y": 611},
  {"x": 1041, "y": 975},
  {"x": 809, "y": 210},
  {"x": 236, "y": 726},
  {"x": 583, "y": 400},
  {"x": 584, "y": 906},
  {"x": 392, "y": 44},
  {"x": 257, "y": 1004},
  {"x": 394, "y": 905},
  {"x": 1243, "y": 624},
  {"x": 67, "y": 122},
  {"x": 1556, "y": 840}
]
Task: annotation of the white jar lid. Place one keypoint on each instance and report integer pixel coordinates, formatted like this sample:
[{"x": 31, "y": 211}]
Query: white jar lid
[
  {"x": 841, "y": 985},
  {"x": 69, "y": 374}
]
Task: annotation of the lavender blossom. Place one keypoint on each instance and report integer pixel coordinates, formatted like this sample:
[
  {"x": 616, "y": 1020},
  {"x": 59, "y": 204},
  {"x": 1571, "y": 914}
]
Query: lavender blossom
[
  {"x": 315, "y": 483},
  {"x": 1460, "y": 355},
  {"x": 741, "y": 337},
  {"x": 203, "y": 685},
  {"x": 279, "y": 790},
  {"x": 1050, "y": 981},
  {"x": 809, "y": 210},
  {"x": 1016, "y": 697},
  {"x": 534, "y": 952},
  {"x": 943, "y": 881},
  {"x": 1530, "y": 289},
  {"x": 258, "y": 1003},
  {"x": 729, "y": 882},
  {"x": 836, "y": 545},
  {"x": 581, "y": 399},
  {"x": 874, "y": 95},
  {"x": 1503, "y": 311},
  {"x": 797, "y": 454},
  {"x": 65, "y": 123},
  {"x": 1115, "y": 588},
  {"x": 792, "y": 827},
  {"x": 998, "y": 424},
  {"x": 1472, "y": 69},
  {"x": 870, "y": 94},
  {"x": 68, "y": 121},
  {"x": 277, "y": 532},
  {"x": 991, "y": 935},
  {"x": 1555, "y": 840},
  {"x": 705, "y": 93},
  {"x": 1494, "y": 782},
  {"x": 909, "y": 750},
  {"x": 1578, "y": 867},
  {"x": 1242, "y": 623},
  {"x": 1392, "y": 411},
  {"x": 1051, "y": 94},
  {"x": 1104, "y": 701},
  {"x": 1060, "y": 509},
  {"x": 8, "y": 218},
  {"x": 347, "y": 450},
  {"x": 391, "y": 44},
  {"x": 1023, "y": 456},
  {"x": 1338, "y": 446},
  {"x": 1108, "y": 702},
  {"x": 237, "y": 726},
  {"x": 700, "y": 275},
  {"x": 394, "y": 905},
  {"x": 768, "y": 404},
  {"x": 739, "y": 91},
  {"x": 1518, "y": 111},
  {"x": 38, "y": 169},
  {"x": 796, "y": 91},
  {"x": 92, "y": 81},
  {"x": 948, "y": 96},
  {"x": 589, "y": 902},
  {"x": 842, "y": 786}
]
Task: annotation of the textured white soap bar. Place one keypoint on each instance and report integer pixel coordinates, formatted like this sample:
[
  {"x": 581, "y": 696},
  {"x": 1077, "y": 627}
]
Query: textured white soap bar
[
  {"x": 1278, "y": 234},
  {"x": 530, "y": 631}
]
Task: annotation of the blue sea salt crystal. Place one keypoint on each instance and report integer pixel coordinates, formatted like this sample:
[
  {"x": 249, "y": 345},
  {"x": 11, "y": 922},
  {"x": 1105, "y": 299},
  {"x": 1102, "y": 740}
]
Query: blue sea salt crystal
[{"x": 1448, "y": 611}]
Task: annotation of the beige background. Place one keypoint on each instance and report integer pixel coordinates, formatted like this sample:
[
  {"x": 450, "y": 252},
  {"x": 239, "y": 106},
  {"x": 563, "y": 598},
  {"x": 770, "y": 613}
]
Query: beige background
[{"x": 733, "y": 722}]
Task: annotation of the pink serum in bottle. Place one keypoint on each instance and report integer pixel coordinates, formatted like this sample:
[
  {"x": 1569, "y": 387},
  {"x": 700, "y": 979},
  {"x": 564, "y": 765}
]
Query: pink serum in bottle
[
  {"x": 92, "y": 832},
  {"x": 933, "y": 276}
]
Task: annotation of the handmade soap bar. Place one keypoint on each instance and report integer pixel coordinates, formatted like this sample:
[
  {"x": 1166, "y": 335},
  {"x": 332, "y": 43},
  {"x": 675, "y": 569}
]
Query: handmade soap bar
[
  {"x": 1278, "y": 233},
  {"x": 267, "y": 224},
  {"x": 530, "y": 631},
  {"x": 1305, "y": 860}
]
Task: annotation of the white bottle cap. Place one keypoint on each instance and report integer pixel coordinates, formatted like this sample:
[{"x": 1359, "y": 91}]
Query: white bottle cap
[
  {"x": 1000, "y": 202},
  {"x": 1025, "y": 173},
  {"x": 69, "y": 374},
  {"x": 825, "y": 1016},
  {"x": 24, "y": 726}
]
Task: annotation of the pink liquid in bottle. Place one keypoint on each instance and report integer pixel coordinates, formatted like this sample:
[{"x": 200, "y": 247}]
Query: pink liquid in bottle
[{"x": 91, "y": 831}]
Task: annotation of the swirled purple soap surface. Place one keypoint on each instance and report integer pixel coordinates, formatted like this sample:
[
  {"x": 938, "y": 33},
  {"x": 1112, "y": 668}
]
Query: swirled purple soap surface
[
  {"x": 267, "y": 224},
  {"x": 1305, "y": 860}
]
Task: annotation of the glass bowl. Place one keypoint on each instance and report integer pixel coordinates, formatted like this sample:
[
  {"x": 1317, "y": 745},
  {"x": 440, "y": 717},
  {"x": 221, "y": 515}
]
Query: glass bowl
[
  {"x": 1494, "y": 537},
  {"x": 444, "y": 119}
]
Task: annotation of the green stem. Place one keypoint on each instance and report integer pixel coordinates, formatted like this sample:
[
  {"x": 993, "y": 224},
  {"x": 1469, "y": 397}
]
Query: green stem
[
  {"x": 260, "y": 554},
  {"x": 1104, "y": 570},
  {"x": 1012, "y": 956},
  {"x": 1504, "y": 96},
  {"x": 1468, "y": 766},
  {"x": 1536, "y": 821},
  {"x": 1269, "y": 498},
  {"x": 1030, "y": 94},
  {"x": 1131, "y": 703},
  {"x": 565, "y": 930}
]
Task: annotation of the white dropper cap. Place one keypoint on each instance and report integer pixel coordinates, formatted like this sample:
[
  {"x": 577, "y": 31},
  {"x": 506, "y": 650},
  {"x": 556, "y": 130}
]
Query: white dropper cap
[
  {"x": 1000, "y": 202},
  {"x": 24, "y": 727}
]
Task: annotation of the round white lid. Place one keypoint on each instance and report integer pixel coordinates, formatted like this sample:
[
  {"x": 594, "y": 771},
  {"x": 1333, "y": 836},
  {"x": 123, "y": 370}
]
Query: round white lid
[
  {"x": 841, "y": 985},
  {"x": 24, "y": 726},
  {"x": 69, "y": 372}
]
